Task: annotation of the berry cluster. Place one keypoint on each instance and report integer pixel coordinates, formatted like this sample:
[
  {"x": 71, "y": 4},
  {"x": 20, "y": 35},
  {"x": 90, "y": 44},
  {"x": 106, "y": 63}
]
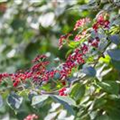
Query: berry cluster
[
  {"x": 31, "y": 117},
  {"x": 80, "y": 36},
  {"x": 39, "y": 73},
  {"x": 94, "y": 42},
  {"x": 62, "y": 92},
  {"x": 102, "y": 21},
  {"x": 81, "y": 23}
]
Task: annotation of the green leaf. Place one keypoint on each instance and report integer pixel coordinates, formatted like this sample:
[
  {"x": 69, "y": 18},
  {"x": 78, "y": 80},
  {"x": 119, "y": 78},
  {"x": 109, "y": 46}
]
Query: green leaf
[
  {"x": 1, "y": 101},
  {"x": 115, "y": 39},
  {"x": 106, "y": 59},
  {"x": 90, "y": 71},
  {"x": 109, "y": 86},
  {"x": 39, "y": 99},
  {"x": 78, "y": 91},
  {"x": 99, "y": 103},
  {"x": 116, "y": 22},
  {"x": 93, "y": 114},
  {"x": 113, "y": 97},
  {"x": 116, "y": 64},
  {"x": 14, "y": 101},
  {"x": 114, "y": 113},
  {"x": 67, "y": 102},
  {"x": 73, "y": 44},
  {"x": 103, "y": 117},
  {"x": 66, "y": 99},
  {"x": 114, "y": 54}
]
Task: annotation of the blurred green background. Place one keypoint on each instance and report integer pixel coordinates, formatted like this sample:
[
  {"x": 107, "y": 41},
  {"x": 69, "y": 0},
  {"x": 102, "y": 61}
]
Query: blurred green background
[{"x": 32, "y": 27}]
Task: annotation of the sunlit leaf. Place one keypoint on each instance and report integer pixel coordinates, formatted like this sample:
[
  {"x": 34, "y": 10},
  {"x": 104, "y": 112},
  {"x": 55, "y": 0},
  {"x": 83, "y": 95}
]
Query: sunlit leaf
[
  {"x": 114, "y": 54},
  {"x": 39, "y": 99},
  {"x": 14, "y": 101}
]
